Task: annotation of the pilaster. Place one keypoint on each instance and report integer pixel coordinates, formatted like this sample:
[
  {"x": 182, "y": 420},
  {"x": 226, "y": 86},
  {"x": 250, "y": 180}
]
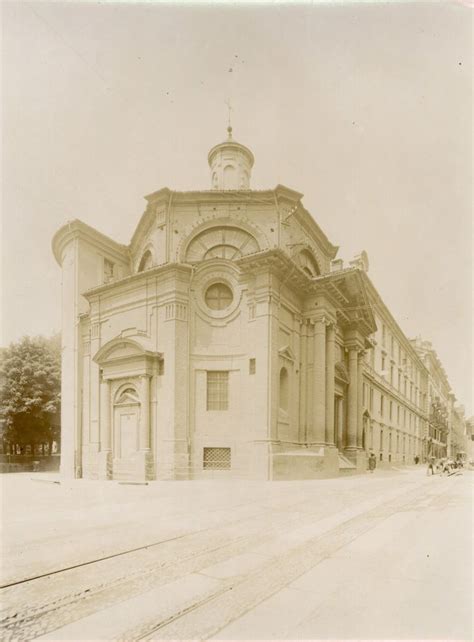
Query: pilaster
[
  {"x": 105, "y": 453},
  {"x": 351, "y": 440},
  {"x": 319, "y": 382},
  {"x": 330, "y": 366},
  {"x": 144, "y": 431},
  {"x": 303, "y": 423},
  {"x": 360, "y": 379}
]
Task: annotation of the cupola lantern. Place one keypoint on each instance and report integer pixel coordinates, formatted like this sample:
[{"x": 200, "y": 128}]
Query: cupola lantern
[{"x": 231, "y": 165}]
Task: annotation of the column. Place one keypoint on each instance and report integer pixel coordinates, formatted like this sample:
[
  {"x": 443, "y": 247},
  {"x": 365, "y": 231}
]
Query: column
[
  {"x": 319, "y": 382},
  {"x": 105, "y": 427},
  {"x": 360, "y": 380},
  {"x": 351, "y": 441},
  {"x": 340, "y": 423},
  {"x": 330, "y": 364},
  {"x": 303, "y": 376},
  {"x": 144, "y": 433}
]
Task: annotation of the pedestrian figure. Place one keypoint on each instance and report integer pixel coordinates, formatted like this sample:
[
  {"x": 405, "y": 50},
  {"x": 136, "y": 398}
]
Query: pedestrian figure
[
  {"x": 431, "y": 466},
  {"x": 417, "y": 459},
  {"x": 372, "y": 462}
]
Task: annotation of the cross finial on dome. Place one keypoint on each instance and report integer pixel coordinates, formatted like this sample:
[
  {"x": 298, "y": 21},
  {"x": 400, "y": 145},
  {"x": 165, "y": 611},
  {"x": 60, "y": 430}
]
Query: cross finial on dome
[{"x": 229, "y": 127}]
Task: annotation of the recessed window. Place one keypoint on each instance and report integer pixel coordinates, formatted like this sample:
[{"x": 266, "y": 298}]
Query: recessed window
[
  {"x": 108, "y": 271},
  {"x": 218, "y": 296},
  {"x": 284, "y": 389},
  {"x": 252, "y": 366},
  {"x": 217, "y": 390},
  {"x": 146, "y": 261},
  {"x": 216, "y": 458}
]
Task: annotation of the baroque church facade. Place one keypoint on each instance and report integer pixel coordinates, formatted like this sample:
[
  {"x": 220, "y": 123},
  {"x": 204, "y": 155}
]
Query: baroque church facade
[{"x": 227, "y": 340}]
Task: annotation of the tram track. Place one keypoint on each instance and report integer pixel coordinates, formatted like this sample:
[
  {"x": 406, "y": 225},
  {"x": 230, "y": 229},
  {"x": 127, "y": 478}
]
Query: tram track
[
  {"x": 150, "y": 566},
  {"x": 206, "y": 617},
  {"x": 191, "y": 556}
]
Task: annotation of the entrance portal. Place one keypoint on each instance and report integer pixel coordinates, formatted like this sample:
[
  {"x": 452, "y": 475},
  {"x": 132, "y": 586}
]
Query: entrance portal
[{"x": 126, "y": 420}]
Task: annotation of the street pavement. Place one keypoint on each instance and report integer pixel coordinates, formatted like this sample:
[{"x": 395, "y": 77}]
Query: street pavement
[{"x": 375, "y": 557}]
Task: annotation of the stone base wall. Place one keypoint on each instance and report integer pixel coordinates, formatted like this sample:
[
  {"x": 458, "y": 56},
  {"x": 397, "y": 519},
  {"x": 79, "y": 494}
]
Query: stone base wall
[
  {"x": 90, "y": 462},
  {"x": 305, "y": 464}
]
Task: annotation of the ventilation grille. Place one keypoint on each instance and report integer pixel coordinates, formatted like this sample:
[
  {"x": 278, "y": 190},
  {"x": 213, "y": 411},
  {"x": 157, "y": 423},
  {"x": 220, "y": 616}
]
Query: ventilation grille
[{"x": 216, "y": 458}]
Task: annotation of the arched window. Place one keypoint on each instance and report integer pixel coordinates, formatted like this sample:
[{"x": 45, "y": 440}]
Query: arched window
[
  {"x": 221, "y": 242},
  {"x": 284, "y": 389},
  {"x": 146, "y": 261},
  {"x": 308, "y": 263},
  {"x": 229, "y": 177}
]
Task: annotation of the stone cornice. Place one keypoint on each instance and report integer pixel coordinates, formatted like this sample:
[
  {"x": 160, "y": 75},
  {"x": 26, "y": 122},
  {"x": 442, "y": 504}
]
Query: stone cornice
[
  {"x": 156, "y": 270},
  {"x": 164, "y": 196},
  {"x": 391, "y": 390},
  {"x": 305, "y": 219},
  {"x": 439, "y": 371},
  {"x": 78, "y": 229},
  {"x": 407, "y": 345},
  {"x": 268, "y": 196},
  {"x": 327, "y": 284}
]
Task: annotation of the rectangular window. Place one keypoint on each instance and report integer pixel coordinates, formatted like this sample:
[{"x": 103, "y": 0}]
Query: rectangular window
[
  {"x": 383, "y": 364},
  {"x": 381, "y": 405},
  {"x": 364, "y": 394},
  {"x": 217, "y": 390},
  {"x": 392, "y": 376},
  {"x": 161, "y": 367},
  {"x": 391, "y": 410},
  {"x": 398, "y": 415},
  {"x": 216, "y": 459},
  {"x": 371, "y": 399},
  {"x": 252, "y": 366}
]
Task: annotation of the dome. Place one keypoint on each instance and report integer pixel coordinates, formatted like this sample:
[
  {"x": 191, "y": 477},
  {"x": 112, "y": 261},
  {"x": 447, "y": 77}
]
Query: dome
[{"x": 231, "y": 165}]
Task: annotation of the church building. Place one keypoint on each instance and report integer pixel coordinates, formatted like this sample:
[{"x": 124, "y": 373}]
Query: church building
[{"x": 226, "y": 340}]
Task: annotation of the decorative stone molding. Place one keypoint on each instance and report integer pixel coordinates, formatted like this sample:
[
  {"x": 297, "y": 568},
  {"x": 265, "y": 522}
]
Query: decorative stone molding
[
  {"x": 210, "y": 273},
  {"x": 176, "y": 311},
  {"x": 287, "y": 353},
  {"x": 210, "y": 223}
]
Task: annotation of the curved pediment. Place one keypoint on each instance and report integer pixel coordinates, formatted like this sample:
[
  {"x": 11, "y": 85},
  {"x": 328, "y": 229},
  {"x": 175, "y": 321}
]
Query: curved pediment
[{"x": 122, "y": 350}]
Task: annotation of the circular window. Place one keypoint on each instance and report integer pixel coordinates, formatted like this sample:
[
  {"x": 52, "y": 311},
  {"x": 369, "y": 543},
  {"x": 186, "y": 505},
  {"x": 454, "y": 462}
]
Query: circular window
[{"x": 218, "y": 296}]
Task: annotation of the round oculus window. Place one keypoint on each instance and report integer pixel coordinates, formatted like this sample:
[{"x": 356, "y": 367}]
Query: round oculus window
[{"x": 218, "y": 296}]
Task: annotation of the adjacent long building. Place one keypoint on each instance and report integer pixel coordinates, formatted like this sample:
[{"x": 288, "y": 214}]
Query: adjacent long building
[{"x": 226, "y": 339}]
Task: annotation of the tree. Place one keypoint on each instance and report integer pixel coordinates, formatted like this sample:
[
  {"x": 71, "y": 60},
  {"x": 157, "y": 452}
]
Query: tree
[{"x": 30, "y": 391}]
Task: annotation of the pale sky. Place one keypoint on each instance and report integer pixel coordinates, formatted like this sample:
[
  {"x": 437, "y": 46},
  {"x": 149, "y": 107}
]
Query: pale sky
[{"x": 365, "y": 108}]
